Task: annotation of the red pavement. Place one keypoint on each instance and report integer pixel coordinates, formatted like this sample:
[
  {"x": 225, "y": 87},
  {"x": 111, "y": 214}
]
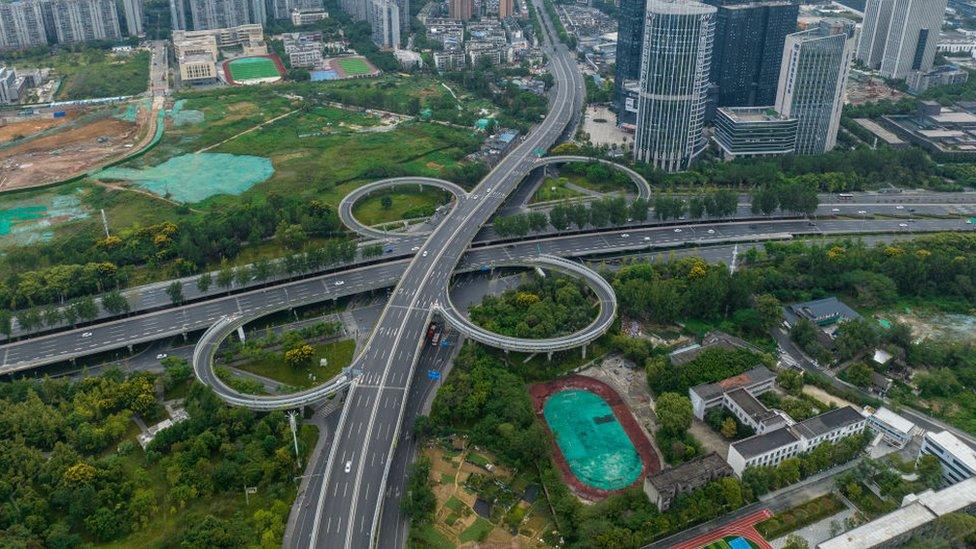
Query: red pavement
[{"x": 742, "y": 527}]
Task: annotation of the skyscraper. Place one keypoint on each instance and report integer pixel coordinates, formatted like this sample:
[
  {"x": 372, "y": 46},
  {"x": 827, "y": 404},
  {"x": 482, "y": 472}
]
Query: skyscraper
[
  {"x": 900, "y": 36},
  {"x": 748, "y": 48},
  {"x": 505, "y": 8},
  {"x": 460, "y": 9},
  {"x": 812, "y": 79},
  {"x": 630, "y": 40},
  {"x": 673, "y": 80},
  {"x": 21, "y": 25},
  {"x": 219, "y": 14},
  {"x": 177, "y": 14},
  {"x": 84, "y": 20},
  {"x": 133, "y": 16},
  {"x": 385, "y": 23}
]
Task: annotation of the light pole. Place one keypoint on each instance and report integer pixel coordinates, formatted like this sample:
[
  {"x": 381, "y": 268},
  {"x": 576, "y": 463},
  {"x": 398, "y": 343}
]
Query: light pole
[{"x": 293, "y": 422}]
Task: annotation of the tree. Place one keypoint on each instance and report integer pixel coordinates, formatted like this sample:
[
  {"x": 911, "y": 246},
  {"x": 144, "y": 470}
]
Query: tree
[
  {"x": 386, "y": 201},
  {"x": 5, "y": 323},
  {"x": 930, "y": 470},
  {"x": 204, "y": 282},
  {"x": 794, "y": 541},
  {"x": 790, "y": 381},
  {"x": 175, "y": 292},
  {"x": 225, "y": 276},
  {"x": 770, "y": 310},
  {"x": 291, "y": 236},
  {"x": 674, "y": 413},
  {"x": 115, "y": 303},
  {"x": 419, "y": 502},
  {"x": 859, "y": 374},
  {"x": 87, "y": 310},
  {"x": 300, "y": 356},
  {"x": 729, "y": 428}
]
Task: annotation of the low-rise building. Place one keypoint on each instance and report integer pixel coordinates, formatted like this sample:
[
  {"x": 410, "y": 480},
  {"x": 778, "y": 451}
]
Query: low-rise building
[
  {"x": 957, "y": 458},
  {"x": 749, "y": 411},
  {"x": 241, "y": 35},
  {"x": 301, "y": 17},
  {"x": 944, "y": 75},
  {"x": 895, "y": 429},
  {"x": 449, "y": 60},
  {"x": 770, "y": 448},
  {"x": 754, "y": 131},
  {"x": 914, "y": 516},
  {"x": 709, "y": 395},
  {"x": 408, "y": 59},
  {"x": 715, "y": 339},
  {"x": 663, "y": 487},
  {"x": 176, "y": 416},
  {"x": 826, "y": 314},
  {"x": 956, "y": 42},
  {"x": 198, "y": 69},
  {"x": 938, "y": 129}
]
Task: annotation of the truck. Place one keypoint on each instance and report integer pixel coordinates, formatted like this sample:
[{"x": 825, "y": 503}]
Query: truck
[{"x": 436, "y": 339}]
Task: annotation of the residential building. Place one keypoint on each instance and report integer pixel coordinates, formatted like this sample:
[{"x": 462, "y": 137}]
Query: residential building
[
  {"x": 913, "y": 517},
  {"x": 218, "y": 14},
  {"x": 449, "y": 60},
  {"x": 754, "y": 131},
  {"x": 243, "y": 35},
  {"x": 301, "y": 17},
  {"x": 9, "y": 92},
  {"x": 409, "y": 59},
  {"x": 955, "y": 42},
  {"x": 895, "y": 429},
  {"x": 385, "y": 22},
  {"x": 748, "y": 49},
  {"x": 944, "y": 75},
  {"x": 630, "y": 41},
  {"x": 900, "y": 36},
  {"x": 662, "y": 488},
  {"x": 812, "y": 80},
  {"x": 357, "y": 9},
  {"x": 506, "y": 8},
  {"x": 84, "y": 20},
  {"x": 674, "y": 76},
  {"x": 709, "y": 395},
  {"x": 22, "y": 25},
  {"x": 957, "y": 458},
  {"x": 772, "y": 447},
  {"x": 133, "y": 16},
  {"x": 177, "y": 14},
  {"x": 461, "y": 10}
]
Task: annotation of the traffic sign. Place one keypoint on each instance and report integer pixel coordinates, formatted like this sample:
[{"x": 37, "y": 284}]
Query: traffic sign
[{"x": 433, "y": 375}]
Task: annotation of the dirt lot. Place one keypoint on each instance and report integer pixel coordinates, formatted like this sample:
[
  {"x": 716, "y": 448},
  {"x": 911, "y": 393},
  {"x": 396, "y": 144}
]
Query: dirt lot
[
  {"x": 66, "y": 153},
  {"x": 27, "y": 127}
]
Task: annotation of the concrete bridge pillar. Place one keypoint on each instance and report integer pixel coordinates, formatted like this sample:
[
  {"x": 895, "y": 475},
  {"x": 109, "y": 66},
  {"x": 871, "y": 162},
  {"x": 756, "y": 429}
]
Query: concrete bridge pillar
[
  {"x": 129, "y": 347},
  {"x": 549, "y": 355},
  {"x": 584, "y": 351}
]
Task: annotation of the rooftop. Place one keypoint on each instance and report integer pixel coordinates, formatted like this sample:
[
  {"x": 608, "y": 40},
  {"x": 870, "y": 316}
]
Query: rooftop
[
  {"x": 755, "y": 376},
  {"x": 828, "y": 308},
  {"x": 894, "y": 420},
  {"x": 750, "y": 405},
  {"x": 689, "y": 472},
  {"x": 752, "y": 114},
  {"x": 828, "y": 421},
  {"x": 757, "y": 445},
  {"x": 959, "y": 449}
]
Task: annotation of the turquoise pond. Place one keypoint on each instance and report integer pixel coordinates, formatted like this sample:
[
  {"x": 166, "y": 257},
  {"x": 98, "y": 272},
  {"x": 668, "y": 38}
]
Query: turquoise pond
[
  {"x": 598, "y": 450},
  {"x": 194, "y": 177}
]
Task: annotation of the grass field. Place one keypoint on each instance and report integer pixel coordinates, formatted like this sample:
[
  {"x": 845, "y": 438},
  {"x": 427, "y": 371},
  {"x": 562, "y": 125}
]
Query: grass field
[
  {"x": 354, "y": 66},
  {"x": 93, "y": 72},
  {"x": 339, "y": 355},
  {"x": 407, "y": 204},
  {"x": 554, "y": 189},
  {"x": 478, "y": 531},
  {"x": 251, "y": 68}
]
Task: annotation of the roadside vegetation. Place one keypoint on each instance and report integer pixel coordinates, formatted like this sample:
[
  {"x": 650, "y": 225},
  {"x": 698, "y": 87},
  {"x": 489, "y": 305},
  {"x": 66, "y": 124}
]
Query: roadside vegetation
[
  {"x": 540, "y": 308},
  {"x": 91, "y": 70}
]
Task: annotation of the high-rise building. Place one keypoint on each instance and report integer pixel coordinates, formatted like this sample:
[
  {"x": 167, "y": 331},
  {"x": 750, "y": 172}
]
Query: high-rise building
[
  {"x": 900, "y": 36},
  {"x": 21, "y": 25},
  {"x": 673, "y": 80},
  {"x": 218, "y": 14},
  {"x": 84, "y": 20},
  {"x": 385, "y": 22},
  {"x": 133, "y": 16},
  {"x": 630, "y": 40},
  {"x": 506, "y": 8},
  {"x": 812, "y": 78},
  {"x": 748, "y": 48},
  {"x": 359, "y": 10},
  {"x": 177, "y": 14},
  {"x": 460, "y": 9}
]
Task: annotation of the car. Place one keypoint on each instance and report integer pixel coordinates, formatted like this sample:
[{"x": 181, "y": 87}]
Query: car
[
  {"x": 677, "y": 230},
  {"x": 86, "y": 334},
  {"x": 349, "y": 466},
  {"x": 862, "y": 212},
  {"x": 835, "y": 210},
  {"x": 903, "y": 224},
  {"x": 625, "y": 235},
  {"x": 415, "y": 248},
  {"x": 161, "y": 356},
  {"x": 899, "y": 207},
  {"x": 711, "y": 231},
  {"x": 647, "y": 239},
  {"x": 339, "y": 282},
  {"x": 425, "y": 253}
]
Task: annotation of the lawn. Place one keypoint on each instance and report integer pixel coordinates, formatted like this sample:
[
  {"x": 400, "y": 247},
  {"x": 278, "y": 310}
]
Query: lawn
[
  {"x": 407, "y": 203},
  {"x": 455, "y": 505},
  {"x": 427, "y": 536},
  {"x": 618, "y": 183},
  {"x": 339, "y": 355},
  {"x": 354, "y": 66},
  {"x": 478, "y": 531},
  {"x": 554, "y": 189},
  {"x": 250, "y": 68},
  {"x": 799, "y": 516}
]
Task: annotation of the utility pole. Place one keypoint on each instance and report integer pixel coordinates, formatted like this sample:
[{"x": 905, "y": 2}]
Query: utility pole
[
  {"x": 735, "y": 255},
  {"x": 293, "y": 422},
  {"x": 104, "y": 222}
]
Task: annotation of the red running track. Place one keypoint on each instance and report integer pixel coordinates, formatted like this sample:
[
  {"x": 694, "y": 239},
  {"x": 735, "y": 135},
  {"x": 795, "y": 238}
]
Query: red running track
[
  {"x": 651, "y": 463},
  {"x": 744, "y": 527}
]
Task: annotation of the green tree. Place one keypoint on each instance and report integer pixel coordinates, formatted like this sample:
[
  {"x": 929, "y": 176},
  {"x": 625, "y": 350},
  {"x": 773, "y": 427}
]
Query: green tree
[
  {"x": 794, "y": 541},
  {"x": 419, "y": 502},
  {"x": 115, "y": 303},
  {"x": 929, "y": 470},
  {"x": 291, "y": 236},
  {"x": 386, "y": 202},
  {"x": 790, "y": 381},
  {"x": 204, "y": 282},
  {"x": 859, "y": 374},
  {"x": 175, "y": 292},
  {"x": 770, "y": 310},
  {"x": 6, "y": 324},
  {"x": 729, "y": 428},
  {"x": 225, "y": 276},
  {"x": 674, "y": 413}
]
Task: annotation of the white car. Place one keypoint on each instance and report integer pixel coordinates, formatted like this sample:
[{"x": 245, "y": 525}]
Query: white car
[
  {"x": 899, "y": 207},
  {"x": 349, "y": 466},
  {"x": 835, "y": 210},
  {"x": 161, "y": 356},
  {"x": 647, "y": 239},
  {"x": 425, "y": 253},
  {"x": 677, "y": 230},
  {"x": 415, "y": 248},
  {"x": 86, "y": 334},
  {"x": 339, "y": 282},
  {"x": 903, "y": 224},
  {"x": 711, "y": 231},
  {"x": 862, "y": 212},
  {"x": 625, "y": 235}
]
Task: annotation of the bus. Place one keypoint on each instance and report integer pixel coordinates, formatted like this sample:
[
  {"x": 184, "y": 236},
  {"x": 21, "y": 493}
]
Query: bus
[{"x": 846, "y": 196}]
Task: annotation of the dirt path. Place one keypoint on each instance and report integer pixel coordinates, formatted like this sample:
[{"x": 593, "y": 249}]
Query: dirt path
[
  {"x": 824, "y": 396},
  {"x": 249, "y": 130}
]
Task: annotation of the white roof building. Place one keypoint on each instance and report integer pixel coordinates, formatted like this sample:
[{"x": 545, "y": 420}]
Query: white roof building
[{"x": 896, "y": 429}]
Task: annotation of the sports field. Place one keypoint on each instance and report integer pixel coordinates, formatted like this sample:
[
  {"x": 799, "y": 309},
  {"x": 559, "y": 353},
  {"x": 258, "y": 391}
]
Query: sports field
[
  {"x": 252, "y": 68},
  {"x": 731, "y": 542},
  {"x": 354, "y": 66}
]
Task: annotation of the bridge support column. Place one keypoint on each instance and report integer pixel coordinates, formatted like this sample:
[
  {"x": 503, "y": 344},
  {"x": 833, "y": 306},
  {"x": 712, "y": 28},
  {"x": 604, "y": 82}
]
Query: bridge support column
[
  {"x": 584, "y": 351},
  {"x": 549, "y": 354},
  {"x": 506, "y": 352},
  {"x": 129, "y": 347}
]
